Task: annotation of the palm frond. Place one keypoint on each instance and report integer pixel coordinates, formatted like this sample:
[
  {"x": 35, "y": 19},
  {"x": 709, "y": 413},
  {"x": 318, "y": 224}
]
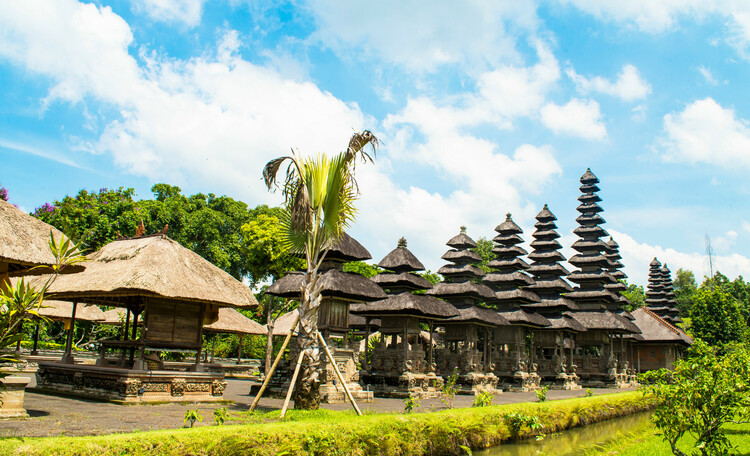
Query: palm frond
[
  {"x": 271, "y": 170},
  {"x": 357, "y": 144}
]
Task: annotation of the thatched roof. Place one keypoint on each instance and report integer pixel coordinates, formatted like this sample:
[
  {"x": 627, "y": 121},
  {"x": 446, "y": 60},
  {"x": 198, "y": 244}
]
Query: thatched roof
[
  {"x": 407, "y": 304},
  {"x": 520, "y": 317},
  {"x": 335, "y": 283},
  {"x": 150, "y": 266},
  {"x": 357, "y": 322},
  {"x": 606, "y": 320},
  {"x": 24, "y": 240},
  {"x": 283, "y": 324},
  {"x": 656, "y": 329},
  {"x": 347, "y": 249},
  {"x": 508, "y": 226},
  {"x": 478, "y": 315},
  {"x": 463, "y": 289},
  {"x": 115, "y": 317},
  {"x": 62, "y": 310},
  {"x": 565, "y": 321},
  {"x": 461, "y": 241},
  {"x": 401, "y": 259},
  {"x": 404, "y": 279},
  {"x": 232, "y": 322}
]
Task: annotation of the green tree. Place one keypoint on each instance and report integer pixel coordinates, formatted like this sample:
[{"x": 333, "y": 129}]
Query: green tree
[
  {"x": 362, "y": 268},
  {"x": 484, "y": 250},
  {"x": 635, "y": 295},
  {"x": 716, "y": 317},
  {"x": 319, "y": 194},
  {"x": 684, "y": 286},
  {"x": 704, "y": 393}
]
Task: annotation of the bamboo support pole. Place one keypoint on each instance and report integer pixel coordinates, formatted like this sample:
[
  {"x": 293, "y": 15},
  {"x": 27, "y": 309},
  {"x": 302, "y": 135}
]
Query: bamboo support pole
[
  {"x": 275, "y": 363},
  {"x": 338, "y": 374},
  {"x": 291, "y": 385}
]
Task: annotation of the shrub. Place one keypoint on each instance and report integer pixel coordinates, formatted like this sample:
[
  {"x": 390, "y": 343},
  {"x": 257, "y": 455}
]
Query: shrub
[
  {"x": 541, "y": 394},
  {"x": 482, "y": 399},
  {"x": 410, "y": 403},
  {"x": 220, "y": 416},
  {"x": 191, "y": 416},
  {"x": 449, "y": 389}
]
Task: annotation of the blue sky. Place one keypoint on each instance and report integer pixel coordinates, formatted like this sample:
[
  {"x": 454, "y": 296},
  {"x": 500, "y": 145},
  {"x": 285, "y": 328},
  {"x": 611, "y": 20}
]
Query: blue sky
[{"x": 483, "y": 108}]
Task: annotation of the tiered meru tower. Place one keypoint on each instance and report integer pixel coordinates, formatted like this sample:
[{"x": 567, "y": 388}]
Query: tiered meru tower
[
  {"x": 553, "y": 345},
  {"x": 401, "y": 366},
  {"x": 598, "y": 360},
  {"x": 468, "y": 335},
  {"x": 615, "y": 271},
  {"x": 668, "y": 288},
  {"x": 510, "y": 349},
  {"x": 660, "y": 291}
]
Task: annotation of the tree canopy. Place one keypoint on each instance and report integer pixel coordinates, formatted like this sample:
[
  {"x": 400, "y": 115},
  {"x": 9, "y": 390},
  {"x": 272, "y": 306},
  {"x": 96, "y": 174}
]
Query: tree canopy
[{"x": 717, "y": 317}]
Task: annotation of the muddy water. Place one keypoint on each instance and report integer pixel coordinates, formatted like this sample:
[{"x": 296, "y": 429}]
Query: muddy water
[{"x": 572, "y": 441}]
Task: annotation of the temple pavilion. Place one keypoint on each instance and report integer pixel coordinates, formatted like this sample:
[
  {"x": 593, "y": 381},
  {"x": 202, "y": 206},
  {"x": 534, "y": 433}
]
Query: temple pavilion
[
  {"x": 339, "y": 290},
  {"x": 510, "y": 349},
  {"x": 467, "y": 349},
  {"x": 660, "y": 343},
  {"x": 552, "y": 358},
  {"x": 175, "y": 292},
  {"x": 401, "y": 366},
  {"x": 601, "y": 360}
]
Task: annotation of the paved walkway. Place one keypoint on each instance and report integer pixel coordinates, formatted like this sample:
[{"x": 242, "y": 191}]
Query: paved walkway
[{"x": 52, "y": 415}]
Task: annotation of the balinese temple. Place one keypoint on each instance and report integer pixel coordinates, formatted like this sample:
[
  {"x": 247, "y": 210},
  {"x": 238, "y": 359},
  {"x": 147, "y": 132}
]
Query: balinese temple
[
  {"x": 656, "y": 295},
  {"x": 510, "y": 351},
  {"x": 615, "y": 271},
  {"x": 668, "y": 288},
  {"x": 660, "y": 343},
  {"x": 401, "y": 366},
  {"x": 552, "y": 357},
  {"x": 339, "y": 290},
  {"x": 600, "y": 361},
  {"x": 467, "y": 336}
]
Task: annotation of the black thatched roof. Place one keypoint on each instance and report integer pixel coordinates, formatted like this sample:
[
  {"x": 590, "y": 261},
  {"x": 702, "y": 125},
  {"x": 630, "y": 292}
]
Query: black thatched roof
[
  {"x": 656, "y": 329},
  {"x": 545, "y": 215},
  {"x": 518, "y": 296},
  {"x": 480, "y": 316},
  {"x": 565, "y": 321},
  {"x": 508, "y": 226},
  {"x": 552, "y": 304},
  {"x": 589, "y": 177},
  {"x": 461, "y": 270},
  {"x": 520, "y": 317},
  {"x": 407, "y": 304},
  {"x": 401, "y": 259},
  {"x": 358, "y": 323},
  {"x": 335, "y": 283},
  {"x": 463, "y": 289},
  {"x": 461, "y": 256},
  {"x": 517, "y": 278},
  {"x": 347, "y": 249},
  {"x": 461, "y": 241},
  {"x": 404, "y": 279},
  {"x": 606, "y": 320}
]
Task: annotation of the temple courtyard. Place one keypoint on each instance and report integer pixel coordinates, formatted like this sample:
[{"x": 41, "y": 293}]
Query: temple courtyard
[{"x": 54, "y": 415}]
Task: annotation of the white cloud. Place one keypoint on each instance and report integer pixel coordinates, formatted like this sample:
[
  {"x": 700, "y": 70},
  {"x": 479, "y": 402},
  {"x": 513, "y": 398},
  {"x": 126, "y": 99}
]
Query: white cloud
[
  {"x": 707, "y": 75},
  {"x": 746, "y": 225},
  {"x": 629, "y": 85},
  {"x": 576, "y": 118},
  {"x": 211, "y": 121},
  {"x": 186, "y": 11},
  {"x": 424, "y": 34},
  {"x": 705, "y": 132},
  {"x": 637, "y": 256}
]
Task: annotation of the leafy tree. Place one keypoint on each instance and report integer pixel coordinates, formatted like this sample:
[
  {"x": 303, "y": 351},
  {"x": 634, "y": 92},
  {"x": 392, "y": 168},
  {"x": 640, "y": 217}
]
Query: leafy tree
[
  {"x": 362, "y": 268},
  {"x": 716, "y": 317},
  {"x": 267, "y": 257},
  {"x": 635, "y": 295},
  {"x": 706, "y": 391},
  {"x": 319, "y": 194},
  {"x": 484, "y": 250},
  {"x": 684, "y": 286}
]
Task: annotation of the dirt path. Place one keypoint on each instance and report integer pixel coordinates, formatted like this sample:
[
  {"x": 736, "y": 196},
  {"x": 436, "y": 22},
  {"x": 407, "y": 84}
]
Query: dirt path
[{"x": 52, "y": 415}]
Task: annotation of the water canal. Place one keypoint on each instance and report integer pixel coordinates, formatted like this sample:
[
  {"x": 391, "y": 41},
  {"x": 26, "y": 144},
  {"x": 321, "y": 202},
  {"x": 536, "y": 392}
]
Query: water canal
[{"x": 572, "y": 441}]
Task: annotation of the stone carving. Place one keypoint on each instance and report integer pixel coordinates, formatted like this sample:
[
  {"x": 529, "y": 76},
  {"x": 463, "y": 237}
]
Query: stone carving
[{"x": 178, "y": 386}]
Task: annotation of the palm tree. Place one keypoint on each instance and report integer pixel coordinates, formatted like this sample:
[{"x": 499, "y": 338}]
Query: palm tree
[{"x": 319, "y": 195}]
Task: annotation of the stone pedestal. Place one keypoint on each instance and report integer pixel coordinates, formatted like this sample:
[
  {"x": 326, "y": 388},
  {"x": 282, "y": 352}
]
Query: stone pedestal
[{"x": 12, "y": 397}]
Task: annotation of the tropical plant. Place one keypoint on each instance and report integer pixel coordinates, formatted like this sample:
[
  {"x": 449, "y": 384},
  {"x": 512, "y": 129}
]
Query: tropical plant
[
  {"x": 482, "y": 399},
  {"x": 541, "y": 394},
  {"x": 21, "y": 301},
  {"x": 191, "y": 416},
  {"x": 450, "y": 389},
  {"x": 220, "y": 416},
  {"x": 319, "y": 195},
  {"x": 589, "y": 392},
  {"x": 411, "y": 403},
  {"x": 706, "y": 391},
  {"x": 516, "y": 421}
]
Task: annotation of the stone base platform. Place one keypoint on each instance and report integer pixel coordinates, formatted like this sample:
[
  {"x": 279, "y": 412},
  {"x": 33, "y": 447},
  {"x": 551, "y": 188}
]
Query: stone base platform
[
  {"x": 423, "y": 386},
  {"x": 12, "y": 397},
  {"x": 129, "y": 386}
]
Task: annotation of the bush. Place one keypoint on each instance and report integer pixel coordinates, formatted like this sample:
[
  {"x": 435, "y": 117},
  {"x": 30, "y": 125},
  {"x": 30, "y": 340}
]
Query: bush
[
  {"x": 482, "y": 399},
  {"x": 541, "y": 394}
]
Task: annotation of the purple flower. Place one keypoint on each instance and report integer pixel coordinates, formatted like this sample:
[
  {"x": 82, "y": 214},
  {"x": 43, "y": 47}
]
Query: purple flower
[
  {"x": 103, "y": 190},
  {"x": 3, "y": 193},
  {"x": 46, "y": 207}
]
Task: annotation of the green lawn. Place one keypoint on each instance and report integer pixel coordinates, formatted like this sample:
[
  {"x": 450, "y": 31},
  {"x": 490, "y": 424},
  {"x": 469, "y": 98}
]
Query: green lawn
[{"x": 645, "y": 442}]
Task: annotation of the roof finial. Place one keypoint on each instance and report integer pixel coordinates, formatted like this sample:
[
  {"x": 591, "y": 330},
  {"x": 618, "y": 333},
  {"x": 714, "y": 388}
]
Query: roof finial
[
  {"x": 463, "y": 230},
  {"x": 545, "y": 206},
  {"x": 402, "y": 242},
  {"x": 140, "y": 229},
  {"x": 508, "y": 217}
]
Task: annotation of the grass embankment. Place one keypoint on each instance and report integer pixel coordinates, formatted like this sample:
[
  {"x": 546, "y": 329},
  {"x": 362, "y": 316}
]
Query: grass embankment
[
  {"x": 446, "y": 432},
  {"x": 645, "y": 442}
]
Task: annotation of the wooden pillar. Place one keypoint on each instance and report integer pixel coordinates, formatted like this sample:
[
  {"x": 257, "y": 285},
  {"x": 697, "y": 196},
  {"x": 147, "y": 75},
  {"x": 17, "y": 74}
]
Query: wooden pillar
[
  {"x": 572, "y": 345},
  {"x": 432, "y": 327},
  {"x": 134, "y": 335},
  {"x": 67, "y": 355},
  {"x": 125, "y": 332},
  {"x": 213, "y": 347},
  {"x": 367, "y": 341},
  {"x": 239, "y": 350},
  {"x": 406, "y": 341},
  {"x": 34, "y": 351}
]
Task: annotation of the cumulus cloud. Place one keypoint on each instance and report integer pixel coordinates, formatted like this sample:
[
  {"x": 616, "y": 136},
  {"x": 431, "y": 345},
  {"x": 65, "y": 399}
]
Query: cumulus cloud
[
  {"x": 705, "y": 132},
  {"x": 576, "y": 118},
  {"x": 628, "y": 86},
  {"x": 213, "y": 120},
  {"x": 184, "y": 11},
  {"x": 637, "y": 255},
  {"x": 424, "y": 34}
]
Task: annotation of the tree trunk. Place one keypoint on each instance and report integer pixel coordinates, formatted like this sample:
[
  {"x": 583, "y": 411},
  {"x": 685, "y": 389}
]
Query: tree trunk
[{"x": 307, "y": 390}]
